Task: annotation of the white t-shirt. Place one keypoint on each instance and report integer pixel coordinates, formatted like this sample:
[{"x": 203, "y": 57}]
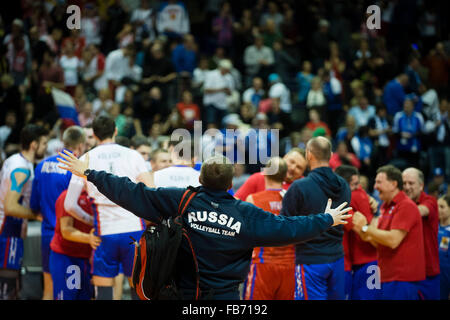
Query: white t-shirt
[
  {"x": 176, "y": 176},
  {"x": 215, "y": 80},
  {"x": 279, "y": 90},
  {"x": 116, "y": 65},
  {"x": 122, "y": 162},
  {"x": 70, "y": 67}
]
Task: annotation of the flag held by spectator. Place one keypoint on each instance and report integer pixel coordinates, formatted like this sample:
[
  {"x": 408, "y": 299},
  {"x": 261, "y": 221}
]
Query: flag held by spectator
[{"x": 65, "y": 105}]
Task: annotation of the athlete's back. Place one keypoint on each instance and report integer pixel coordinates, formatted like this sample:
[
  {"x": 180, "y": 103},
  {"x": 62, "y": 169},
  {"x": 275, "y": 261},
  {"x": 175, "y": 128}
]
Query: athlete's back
[
  {"x": 121, "y": 161},
  {"x": 178, "y": 176}
]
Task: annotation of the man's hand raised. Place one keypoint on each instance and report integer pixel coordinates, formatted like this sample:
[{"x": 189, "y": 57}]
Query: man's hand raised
[
  {"x": 72, "y": 164},
  {"x": 338, "y": 213}
]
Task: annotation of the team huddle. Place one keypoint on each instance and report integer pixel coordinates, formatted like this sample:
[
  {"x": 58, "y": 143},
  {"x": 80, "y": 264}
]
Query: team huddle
[{"x": 283, "y": 238}]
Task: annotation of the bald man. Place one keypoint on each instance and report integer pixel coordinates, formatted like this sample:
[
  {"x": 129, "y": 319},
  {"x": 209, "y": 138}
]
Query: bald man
[
  {"x": 319, "y": 261},
  {"x": 413, "y": 184}
]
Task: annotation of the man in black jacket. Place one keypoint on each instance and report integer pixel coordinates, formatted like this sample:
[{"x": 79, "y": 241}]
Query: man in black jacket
[
  {"x": 320, "y": 261},
  {"x": 223, "y": 230}
]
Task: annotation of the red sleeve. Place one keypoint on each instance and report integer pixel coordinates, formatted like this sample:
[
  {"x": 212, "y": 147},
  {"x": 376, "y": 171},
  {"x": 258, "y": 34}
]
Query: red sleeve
[
  {"x": 431, "y": 204},
  {"x": 334, "y": 161},
  {"x": 355, "y": 161},
  {"x": 100, "y": 62},
  {"x": 250, "y": 186},
  {"x": 349, "y": 225},
  {"x": 360, "y": 202},
  {"x": 406, "y": 216}
]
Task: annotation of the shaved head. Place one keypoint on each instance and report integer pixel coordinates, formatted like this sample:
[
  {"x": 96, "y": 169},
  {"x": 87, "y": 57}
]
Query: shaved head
[{"x": 320, "y": 148}]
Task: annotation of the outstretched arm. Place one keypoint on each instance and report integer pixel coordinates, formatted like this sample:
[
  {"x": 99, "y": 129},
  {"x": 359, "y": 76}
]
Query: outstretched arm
[
  {"x": 144, "y": 202},
  {"x": 271, "y": 230}
]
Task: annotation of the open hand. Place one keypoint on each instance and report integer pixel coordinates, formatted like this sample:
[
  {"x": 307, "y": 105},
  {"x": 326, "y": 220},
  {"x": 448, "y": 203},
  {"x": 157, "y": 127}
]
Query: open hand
[
  {"x": 73, "y": 164},
  {"x": 338, "y": 213}
]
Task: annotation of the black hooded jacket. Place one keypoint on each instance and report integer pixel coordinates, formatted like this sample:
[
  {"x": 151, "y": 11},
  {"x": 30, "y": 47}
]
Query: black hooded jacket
[{"x": 309, "y": 196}]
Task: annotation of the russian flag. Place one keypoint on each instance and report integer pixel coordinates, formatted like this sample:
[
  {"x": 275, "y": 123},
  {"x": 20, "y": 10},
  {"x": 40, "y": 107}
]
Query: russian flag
[{"x": 66, "y": 105}]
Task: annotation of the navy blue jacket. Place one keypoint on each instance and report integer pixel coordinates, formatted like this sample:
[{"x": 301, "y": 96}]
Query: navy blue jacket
[
  {"x": 309, "y": 196},
  {"x": 223, "y": 230}
]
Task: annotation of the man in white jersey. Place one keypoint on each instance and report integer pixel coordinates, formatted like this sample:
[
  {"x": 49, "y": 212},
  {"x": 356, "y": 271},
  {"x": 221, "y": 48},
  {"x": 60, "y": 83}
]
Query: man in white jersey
[
  {"x": 115, "y": 225},
  {"x": 181, "y": 172},
  {"x": 16, "y": 179}
]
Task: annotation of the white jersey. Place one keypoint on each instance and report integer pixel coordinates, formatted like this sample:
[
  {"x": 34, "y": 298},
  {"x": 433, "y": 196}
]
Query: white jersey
[
  {"x": 15, "y": 163},
  {"x": 176, "y": 176},
  {"x": 122, "y": 162}
]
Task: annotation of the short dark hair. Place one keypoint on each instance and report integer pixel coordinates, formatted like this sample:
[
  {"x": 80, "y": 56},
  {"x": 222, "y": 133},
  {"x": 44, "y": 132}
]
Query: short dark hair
[
  {"x": 281, "y": 172},
  {"x": 217, "y": 173},
  {"x": 104, "y": 127},
  {"x": 320, "y": 147},
  {"x": 347, "y": 172},
  {"x": 123, "y": 141},
  {"x": 392, "y": 174},
  {"x": 30, "y": 133},
  {"x": 138, "y": 141}
]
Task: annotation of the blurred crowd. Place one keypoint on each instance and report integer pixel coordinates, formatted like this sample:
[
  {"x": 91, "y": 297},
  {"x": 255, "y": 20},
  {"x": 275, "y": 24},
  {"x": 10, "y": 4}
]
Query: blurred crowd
[{"x": 306, "y": 68}]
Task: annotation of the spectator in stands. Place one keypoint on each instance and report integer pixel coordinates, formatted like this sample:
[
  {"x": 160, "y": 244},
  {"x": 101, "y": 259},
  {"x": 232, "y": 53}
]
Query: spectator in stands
[
  {"x": 279, "y": 90},
  {"x": 92, "y": 68},
  {"x": 438, "y": 63},
  {"x": 102, "y": 104},
  {"x": 199, "y": 75},
  {"x": 320, "y": 44},
  {"x": 379, "y": 131},
  {"x": 279, "y": 119},
  {"x": 284, "y": 63},
  {"x": 272, "y": 14},
  {"x": 408, "y": 126},
  {"x": 315, "y": 122},
  {"x": 247, "y": 113},
  {"x": 439, "y": 151},
  {"x": 143, "y": 19},
  {"x": 117, "y": 66},
  {"x": 271, "y": 34},
  {"x": 304, "y": 80},
  {"x": 258, "y": 59},
  {"x": 222, "y": 27},
  {"x": 414, "y": 80},
  {"x": 172, "y": 19},
  {"x": 362, "y": 146},
  {"x": 343, "y": 156},
  {"x": 184, "y": 56},
  {"x": 362, "y": 112},
  {"x": 394, "y": 94},
  {"x": 49, "y": 75},
  {"x": 90, "y": 25},
  {"x": 255, "y": 93},
  {"x": 70, "y": 64},
  {"x": 188, "y": 110},
  {"x": 157, "y": 70},
  {"x": 218, "y": 85}
]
